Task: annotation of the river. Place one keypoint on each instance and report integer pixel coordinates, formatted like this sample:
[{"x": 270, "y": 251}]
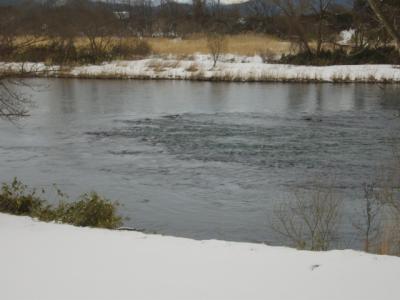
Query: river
[{"x": 203, "y": 160}]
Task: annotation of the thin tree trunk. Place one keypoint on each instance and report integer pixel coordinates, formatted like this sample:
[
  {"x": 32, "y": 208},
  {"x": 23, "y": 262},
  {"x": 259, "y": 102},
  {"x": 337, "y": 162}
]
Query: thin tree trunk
[
  {"x": 303, "y": 38},
  {"x": 294, "y": 19},
  {"x": 385, "y": 22}
]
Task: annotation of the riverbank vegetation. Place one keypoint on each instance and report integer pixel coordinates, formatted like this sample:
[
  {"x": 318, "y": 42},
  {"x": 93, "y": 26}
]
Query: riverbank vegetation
[
  {"x": 90, "y": 210},
  {"x": 312, "y": 219},
  {"x": 309, "y": 222},
  {"x": 378, "y": 55},
  {"x": 307, "y": 32}
]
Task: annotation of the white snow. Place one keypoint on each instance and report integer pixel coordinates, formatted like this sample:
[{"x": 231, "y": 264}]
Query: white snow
[
  {"x": 229, "y": 68},
  {"x": 52, "y": 261},
  {"x": 346, "y": 36}
]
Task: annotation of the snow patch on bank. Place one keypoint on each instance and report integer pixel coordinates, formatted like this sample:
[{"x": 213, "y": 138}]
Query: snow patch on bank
[
  {"x": 52, "y": 261},
  {"x": 229, "y": 68}
]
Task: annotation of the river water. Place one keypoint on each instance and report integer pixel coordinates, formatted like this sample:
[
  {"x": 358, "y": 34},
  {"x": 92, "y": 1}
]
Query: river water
[{"x": 203, "y": 160}]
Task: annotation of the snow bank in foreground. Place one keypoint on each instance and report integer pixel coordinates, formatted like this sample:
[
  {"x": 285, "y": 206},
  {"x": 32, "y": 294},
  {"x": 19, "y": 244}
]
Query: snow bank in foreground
[
  {"x": 51, "y": 261},
  {"x": 230, "y": 68}
]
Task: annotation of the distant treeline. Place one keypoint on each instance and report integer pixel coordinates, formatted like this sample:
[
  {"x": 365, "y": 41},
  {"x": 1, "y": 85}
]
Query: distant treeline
[
  {"x": 168, "y": 18},
  {"x": 313, "y": 26}
]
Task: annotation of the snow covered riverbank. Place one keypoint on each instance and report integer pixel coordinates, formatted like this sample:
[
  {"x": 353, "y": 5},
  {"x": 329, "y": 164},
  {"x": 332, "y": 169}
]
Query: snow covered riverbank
[
  {"x": 51, "y": 261},
  {"x": 230, "y": 68}
]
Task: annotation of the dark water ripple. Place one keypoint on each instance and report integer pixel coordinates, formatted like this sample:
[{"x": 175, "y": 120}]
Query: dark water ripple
[{"x": 334, "y": 141}]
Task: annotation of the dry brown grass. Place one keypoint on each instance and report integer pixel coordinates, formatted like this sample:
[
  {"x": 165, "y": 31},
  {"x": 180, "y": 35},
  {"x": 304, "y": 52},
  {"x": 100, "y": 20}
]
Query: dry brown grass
[
  {"x": 389, "y": 240},
  {"x": 249, "y": 44},
  {"x": 193, "y": 68},
  {"x": 242, "y": 44},
  {"x": 161, "y": 66}
]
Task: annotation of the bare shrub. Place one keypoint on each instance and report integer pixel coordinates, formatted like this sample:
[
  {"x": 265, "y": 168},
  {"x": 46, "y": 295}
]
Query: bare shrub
[
  {"x": 310, "y": 221},
  {"x": 216, "y": 44},
  {"x": 97, "y": 24},
  {"x": 380, "y": 226},
  {"x": 389, "y": 197},
  {"x": 369, "y": 226}
]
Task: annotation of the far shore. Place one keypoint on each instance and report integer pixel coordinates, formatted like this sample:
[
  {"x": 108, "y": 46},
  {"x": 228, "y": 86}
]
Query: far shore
[{"x": 229, "y": 68}]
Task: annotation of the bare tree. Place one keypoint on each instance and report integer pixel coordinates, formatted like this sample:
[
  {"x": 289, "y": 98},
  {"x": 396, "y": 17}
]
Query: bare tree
[
  {"x": 199, "y": 12},
  {"x": 293, "y": 10},
  {"x": 370, "y": 224},
  {"x": 320, "y": 9},
  {"x": 377, "y": 7},
  {"x": 310, "y": 221},
  {"x": 217, "y": 44},
  {"x": 16, "y": 31},
  {"x": 97, "y": 23},
  {"x": 141, "y": 17},
  {"x": 13, "y": 104},
  {"x": 7, "y": 33}
]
